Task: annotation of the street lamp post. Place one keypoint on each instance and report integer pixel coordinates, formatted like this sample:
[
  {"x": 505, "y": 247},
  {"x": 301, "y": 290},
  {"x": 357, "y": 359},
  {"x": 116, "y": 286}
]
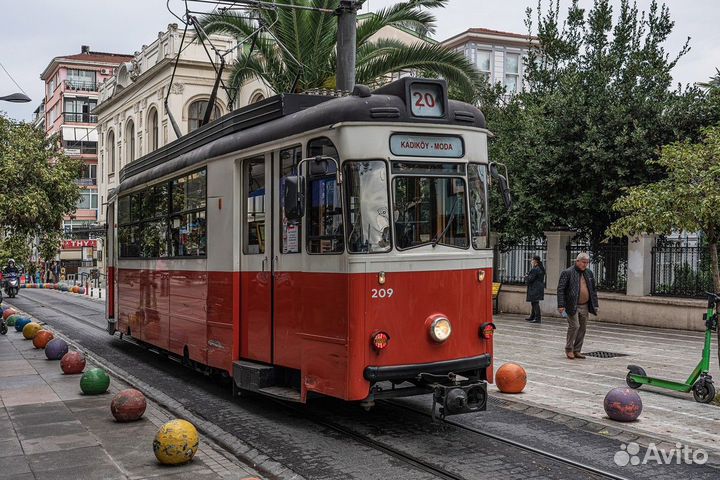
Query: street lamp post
[{"x": 16, "y": 98}]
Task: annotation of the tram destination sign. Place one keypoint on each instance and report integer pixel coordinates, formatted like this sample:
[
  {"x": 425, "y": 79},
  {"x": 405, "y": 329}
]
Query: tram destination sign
[{"x": 426, "y": 146}]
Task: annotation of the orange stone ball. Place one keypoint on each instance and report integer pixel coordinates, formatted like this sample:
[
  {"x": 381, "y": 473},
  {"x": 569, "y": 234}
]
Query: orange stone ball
[
  {"x": 511, "y": 378},
  {"x": 8, "y": 312},
  {"x": 42, "y": 338}
]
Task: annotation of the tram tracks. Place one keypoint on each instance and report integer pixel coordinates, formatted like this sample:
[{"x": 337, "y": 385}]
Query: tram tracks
[{"x": 528, "y": 448}]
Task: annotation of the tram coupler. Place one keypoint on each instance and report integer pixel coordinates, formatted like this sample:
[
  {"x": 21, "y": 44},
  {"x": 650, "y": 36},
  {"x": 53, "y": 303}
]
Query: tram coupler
[{"x": 454, "y": 394}]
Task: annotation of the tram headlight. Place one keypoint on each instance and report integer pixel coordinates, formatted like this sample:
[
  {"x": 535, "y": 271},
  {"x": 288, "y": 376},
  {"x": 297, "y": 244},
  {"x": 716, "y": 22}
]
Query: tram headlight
[{"x": 440, "y": 329}]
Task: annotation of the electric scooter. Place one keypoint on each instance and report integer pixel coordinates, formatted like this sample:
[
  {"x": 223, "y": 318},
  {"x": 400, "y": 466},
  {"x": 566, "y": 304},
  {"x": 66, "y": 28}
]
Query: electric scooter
[{"x": 699, "y": 381}]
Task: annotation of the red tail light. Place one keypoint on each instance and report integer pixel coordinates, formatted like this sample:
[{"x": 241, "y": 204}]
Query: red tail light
[
  {"x": 380, "y": 341},
  {"x": 487, "y": 330}
]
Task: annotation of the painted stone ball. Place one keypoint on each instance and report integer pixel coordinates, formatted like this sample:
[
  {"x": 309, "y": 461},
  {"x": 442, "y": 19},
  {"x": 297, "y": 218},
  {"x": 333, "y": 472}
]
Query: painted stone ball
[
  {"x": 623, "y": 404},
  {"x": 56, "y": 349},
  {"x": 12, "y": 319},
  {"x": 94, "y": 382},
  {"x": 72, "y": 363},
  {"x": 511, "y": 378},
  {"x": 20, "y": 323},
  {"x": 176, "y": 442},
  {"x": 30, "y": 330},
  {"x": 42, "y": 338},
  {"x": 128, "y": 405},
  {"x": 7, "y": 312}
]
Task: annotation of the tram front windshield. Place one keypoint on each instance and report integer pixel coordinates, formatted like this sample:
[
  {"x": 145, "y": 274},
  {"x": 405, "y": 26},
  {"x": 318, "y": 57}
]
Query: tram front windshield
[
  {"x": 430, "y": 207},
  {"x": 430, "y": 203}
]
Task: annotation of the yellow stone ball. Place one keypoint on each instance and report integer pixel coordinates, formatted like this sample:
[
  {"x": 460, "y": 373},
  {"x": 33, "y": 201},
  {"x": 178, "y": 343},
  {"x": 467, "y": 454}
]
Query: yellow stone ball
[
  {"x": 30, "y": 330},
  {"x": 176, "y": 442}
]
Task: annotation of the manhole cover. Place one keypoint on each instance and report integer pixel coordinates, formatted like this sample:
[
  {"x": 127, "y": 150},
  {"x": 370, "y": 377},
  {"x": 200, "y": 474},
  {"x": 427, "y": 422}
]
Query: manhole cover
[{"x": 605, "y": 354}]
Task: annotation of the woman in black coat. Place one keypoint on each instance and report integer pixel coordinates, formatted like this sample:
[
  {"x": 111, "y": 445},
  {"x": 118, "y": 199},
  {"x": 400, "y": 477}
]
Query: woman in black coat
[{"x": 536, "y": 289}]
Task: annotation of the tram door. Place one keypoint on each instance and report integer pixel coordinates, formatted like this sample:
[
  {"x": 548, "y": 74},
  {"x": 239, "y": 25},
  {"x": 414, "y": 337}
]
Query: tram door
[
  {"x": 271, "y": 254},
  {"x": 256, "y": 260}
]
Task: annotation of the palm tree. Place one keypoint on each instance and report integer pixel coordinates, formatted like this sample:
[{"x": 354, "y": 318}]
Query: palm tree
[{"x": 295, "y": 50}]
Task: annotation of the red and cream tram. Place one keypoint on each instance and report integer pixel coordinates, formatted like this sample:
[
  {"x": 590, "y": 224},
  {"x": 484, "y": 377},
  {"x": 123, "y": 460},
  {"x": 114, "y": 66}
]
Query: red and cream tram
[{"x": 316, "y": 244}]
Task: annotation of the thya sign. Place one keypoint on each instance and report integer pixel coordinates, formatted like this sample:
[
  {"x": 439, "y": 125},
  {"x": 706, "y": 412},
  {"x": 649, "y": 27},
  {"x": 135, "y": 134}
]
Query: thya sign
[{"x": 78, "y": 244}]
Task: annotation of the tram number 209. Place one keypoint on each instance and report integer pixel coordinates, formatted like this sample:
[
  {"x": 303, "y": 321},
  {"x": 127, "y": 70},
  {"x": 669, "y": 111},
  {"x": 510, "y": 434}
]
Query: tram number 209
[{"x": 381, "y": 292}]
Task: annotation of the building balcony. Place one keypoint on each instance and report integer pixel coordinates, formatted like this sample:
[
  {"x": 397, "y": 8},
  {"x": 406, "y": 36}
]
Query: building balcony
[
  {"x": 71, "y": 117},
  {"x": 86, "y": 182},
  {"x": 80, "y": 86}
]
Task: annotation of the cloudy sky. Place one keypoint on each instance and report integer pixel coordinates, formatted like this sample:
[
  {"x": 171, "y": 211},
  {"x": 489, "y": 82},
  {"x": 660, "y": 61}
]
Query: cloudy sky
[{"x": 35, "y": 31}]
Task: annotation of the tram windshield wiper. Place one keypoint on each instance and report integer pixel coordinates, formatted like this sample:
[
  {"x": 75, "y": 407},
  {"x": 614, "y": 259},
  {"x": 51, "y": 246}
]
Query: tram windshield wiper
[{"x": 437, "y": 238}]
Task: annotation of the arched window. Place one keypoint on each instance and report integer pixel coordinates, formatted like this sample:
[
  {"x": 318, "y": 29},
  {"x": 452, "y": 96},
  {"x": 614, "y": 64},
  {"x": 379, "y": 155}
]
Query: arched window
[
  {"x": 196, "y": 113},
  {"x": 110, "y": 149},
  {"x": 256, "y": 97},
  {"x": 153, "y": 133},
  {"x": 130, "y": 141}
]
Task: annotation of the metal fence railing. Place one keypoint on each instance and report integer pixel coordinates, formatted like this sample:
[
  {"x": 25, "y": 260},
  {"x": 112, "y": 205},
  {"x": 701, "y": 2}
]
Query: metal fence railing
[
  {"x": 513, "y": 264},
  {"x": 608, "y": 263},
  {"x": 681, "y": 268}
]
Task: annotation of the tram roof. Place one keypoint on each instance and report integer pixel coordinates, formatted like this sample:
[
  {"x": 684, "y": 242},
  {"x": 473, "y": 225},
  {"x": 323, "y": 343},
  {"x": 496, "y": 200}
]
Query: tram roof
[{"x": 286, "y": 115}]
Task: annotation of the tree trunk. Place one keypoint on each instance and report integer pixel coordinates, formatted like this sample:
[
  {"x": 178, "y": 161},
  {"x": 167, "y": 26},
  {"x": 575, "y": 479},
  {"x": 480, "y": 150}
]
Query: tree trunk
[{"x": 714, "y": 265}]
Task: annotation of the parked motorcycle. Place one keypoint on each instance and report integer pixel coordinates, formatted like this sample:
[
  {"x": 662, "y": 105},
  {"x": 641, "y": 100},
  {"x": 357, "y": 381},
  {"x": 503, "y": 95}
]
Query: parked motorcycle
[{"x": 12, "y": 284}]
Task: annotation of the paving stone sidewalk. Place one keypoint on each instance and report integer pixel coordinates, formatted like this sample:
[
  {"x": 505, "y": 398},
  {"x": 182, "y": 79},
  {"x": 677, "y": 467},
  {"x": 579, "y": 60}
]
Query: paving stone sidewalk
[
  {"x": 575, "y": 389},
  {"x": 50, "y": 430}
]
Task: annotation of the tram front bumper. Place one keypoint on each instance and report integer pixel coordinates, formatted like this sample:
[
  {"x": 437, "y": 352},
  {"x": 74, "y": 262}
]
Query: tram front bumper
[{"x": 412, "y": 371}]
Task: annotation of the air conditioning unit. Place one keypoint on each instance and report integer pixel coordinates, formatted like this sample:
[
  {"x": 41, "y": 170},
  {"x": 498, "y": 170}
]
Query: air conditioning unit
[{"x": 105, "y": 71}]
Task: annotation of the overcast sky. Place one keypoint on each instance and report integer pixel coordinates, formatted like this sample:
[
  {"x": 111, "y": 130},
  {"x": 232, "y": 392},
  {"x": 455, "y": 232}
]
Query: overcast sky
[{"x": 35, "y": 31}]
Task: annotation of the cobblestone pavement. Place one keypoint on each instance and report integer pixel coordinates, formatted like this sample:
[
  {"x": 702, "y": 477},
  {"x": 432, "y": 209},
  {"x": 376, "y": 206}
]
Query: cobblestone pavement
[
  {"x": 577, "y": 387},
  {"x": 288, "y": 445},
  {"x": 50, "y": 430}
]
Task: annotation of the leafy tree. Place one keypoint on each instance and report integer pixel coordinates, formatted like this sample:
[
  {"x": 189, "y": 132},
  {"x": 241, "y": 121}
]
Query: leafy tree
[
  {"x": 38, "y": 189},
  {"x": 599, "y": 106},
  {"x": 688, "y": 199},
  {"x": 310, "y": 38}
]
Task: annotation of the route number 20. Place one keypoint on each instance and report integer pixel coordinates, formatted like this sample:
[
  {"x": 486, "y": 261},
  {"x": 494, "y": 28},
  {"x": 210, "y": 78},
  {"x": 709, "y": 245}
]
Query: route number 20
[
  {"x": 381, "y": 292},
  {"x": 426, "y": 100}
]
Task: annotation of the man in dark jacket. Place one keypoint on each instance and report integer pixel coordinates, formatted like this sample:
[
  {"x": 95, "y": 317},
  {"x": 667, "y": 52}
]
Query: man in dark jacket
[{"x": 577, "y": 297}]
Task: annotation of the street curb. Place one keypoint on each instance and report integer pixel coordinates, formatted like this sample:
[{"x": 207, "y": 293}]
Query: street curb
[
  {"x": 592, "y": 425},
  {"x": 244, "y": 452}
]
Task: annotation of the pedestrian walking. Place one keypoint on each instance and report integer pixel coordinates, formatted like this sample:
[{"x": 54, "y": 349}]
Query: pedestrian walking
[
  {"x": 577, "y": 298},
  {"x": 535, "y": 280}
]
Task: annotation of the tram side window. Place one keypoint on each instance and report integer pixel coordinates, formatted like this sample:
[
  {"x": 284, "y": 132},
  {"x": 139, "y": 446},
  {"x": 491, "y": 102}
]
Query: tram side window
[
  {"x": 254, "y": 178},
  {"x": 165, "y": 219},
  {"x": 188, "y": 225},
  {"x": 366, "y": 190},
  {"x": 188, "y": 234},
  {"x": 290, "y": 230},
  {"x": 477, "y": 180},
  {"x": 129, "y": 239},
  {"x": 324, "y": 216}
]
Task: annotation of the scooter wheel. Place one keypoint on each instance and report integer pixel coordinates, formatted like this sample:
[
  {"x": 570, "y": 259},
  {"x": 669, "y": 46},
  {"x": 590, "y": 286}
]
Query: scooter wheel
[
  {"x": 704, "y": 393},
  {"x": 3, "y": 328},
  {"x": 634, "y": 370}
]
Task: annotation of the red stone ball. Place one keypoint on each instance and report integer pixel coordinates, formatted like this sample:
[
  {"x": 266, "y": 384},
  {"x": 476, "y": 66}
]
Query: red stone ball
[
  {"x": 8, "y": 312},
  {"x": 511, "y": 378},
  {"x": 128, "y": 405},
  {"x": 72, "y": 363},
  {"x": 623, "y": 404},
  {"x": 41, "y": 338}
]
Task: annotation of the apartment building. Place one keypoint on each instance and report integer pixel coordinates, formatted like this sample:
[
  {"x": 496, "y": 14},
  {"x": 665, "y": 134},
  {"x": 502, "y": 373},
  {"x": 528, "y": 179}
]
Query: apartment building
[{"x": 71, "y": 95}]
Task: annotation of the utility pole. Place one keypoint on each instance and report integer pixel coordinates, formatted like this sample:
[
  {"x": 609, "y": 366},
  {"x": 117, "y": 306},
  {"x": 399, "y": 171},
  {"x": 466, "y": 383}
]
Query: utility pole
[{"x": 346, "y": 44}]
